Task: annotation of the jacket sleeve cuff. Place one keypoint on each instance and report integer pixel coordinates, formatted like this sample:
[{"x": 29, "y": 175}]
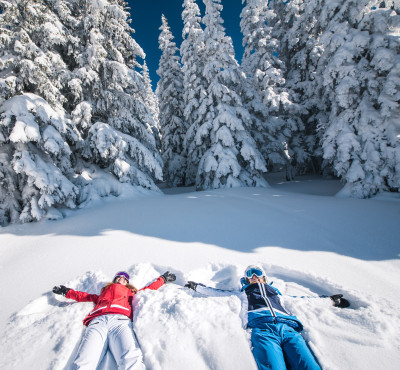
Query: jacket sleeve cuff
[{"x": 70, "y": 292}]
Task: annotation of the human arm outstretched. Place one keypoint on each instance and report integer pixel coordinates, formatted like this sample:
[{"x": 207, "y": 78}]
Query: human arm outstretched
[
  {"x": 208, "y": 291},
  {"x": 166, "y": 277},
  {"x": 74, "y": 294}
]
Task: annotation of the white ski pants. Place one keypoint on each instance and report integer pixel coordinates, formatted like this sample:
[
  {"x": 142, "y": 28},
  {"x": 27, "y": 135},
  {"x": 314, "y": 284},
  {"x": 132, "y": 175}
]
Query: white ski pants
[{"x": 114, "y": 332}]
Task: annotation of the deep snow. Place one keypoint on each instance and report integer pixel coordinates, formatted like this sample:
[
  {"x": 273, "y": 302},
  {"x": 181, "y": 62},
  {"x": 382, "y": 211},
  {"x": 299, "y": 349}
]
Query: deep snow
[{"x": 309, "y": 241}]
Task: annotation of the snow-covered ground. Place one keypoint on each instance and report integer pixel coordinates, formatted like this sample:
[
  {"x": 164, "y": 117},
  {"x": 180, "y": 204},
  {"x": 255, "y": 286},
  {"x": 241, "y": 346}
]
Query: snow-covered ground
[{"x": 309, "y": 242}]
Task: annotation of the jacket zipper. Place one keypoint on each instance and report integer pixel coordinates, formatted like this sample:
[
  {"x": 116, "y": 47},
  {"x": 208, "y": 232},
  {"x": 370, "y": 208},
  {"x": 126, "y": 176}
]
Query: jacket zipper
[
  {"x": 267, "y": 301},
  {"x": 111, "y": 300}
]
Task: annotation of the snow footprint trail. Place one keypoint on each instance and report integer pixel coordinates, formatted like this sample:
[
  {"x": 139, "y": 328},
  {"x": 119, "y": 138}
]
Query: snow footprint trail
[{"x": 180, "y": 329}]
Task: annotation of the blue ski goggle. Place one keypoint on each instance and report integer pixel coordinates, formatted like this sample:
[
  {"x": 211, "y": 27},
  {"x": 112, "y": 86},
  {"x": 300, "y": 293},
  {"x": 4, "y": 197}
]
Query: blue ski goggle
[
  {"x": 122, "y": 274},
  {"x": 254, "y": 271}
]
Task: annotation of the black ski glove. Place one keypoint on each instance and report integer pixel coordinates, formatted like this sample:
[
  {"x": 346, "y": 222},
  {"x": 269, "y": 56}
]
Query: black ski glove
[
  {"x": 63, "y": 290},
  {"x": 168, "y": 277},
  {"x": 191, "y": 285},
  {"x": 339, "y": 301}
]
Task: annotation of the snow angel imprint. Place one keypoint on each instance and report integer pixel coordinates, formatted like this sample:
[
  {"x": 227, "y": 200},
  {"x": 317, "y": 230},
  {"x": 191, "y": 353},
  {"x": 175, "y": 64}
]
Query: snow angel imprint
[
  {"x": 109, "y": 324},
  {"x": 275, "y": 334}
]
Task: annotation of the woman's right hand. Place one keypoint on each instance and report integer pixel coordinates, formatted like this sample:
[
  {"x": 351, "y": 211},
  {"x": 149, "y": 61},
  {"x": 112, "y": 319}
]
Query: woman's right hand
[
  {"x": 62, "y": 290},
  {"x": 191, "y": 285}
]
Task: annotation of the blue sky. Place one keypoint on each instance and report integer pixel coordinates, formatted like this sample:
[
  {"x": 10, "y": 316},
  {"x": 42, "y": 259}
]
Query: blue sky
[{"x": 146, "y": 20}]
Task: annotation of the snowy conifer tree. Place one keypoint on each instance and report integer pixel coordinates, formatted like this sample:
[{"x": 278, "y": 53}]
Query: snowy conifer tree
[
  {"x": 230, "y": 157},
  {"x": 61, "y": 60},
  {"x": 151, "y": 101},
  {"x": 112, "y": 113},
  {"x": 361, "y": 70},
  {"x": 192, "y": 49},
  {"x": 170, "y": 95},
  {"x": 297, "y": 25},
  {"x": 264, "y": 70},
  {"x": 35, "y": 132}
]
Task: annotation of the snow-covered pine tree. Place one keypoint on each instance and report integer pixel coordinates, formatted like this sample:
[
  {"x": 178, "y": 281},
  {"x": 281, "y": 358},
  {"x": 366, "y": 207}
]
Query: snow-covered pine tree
[
  {"x": 231, "y": 157},
  {"x": 192, "y": 58},
  {"x": 361, "y": 83},
  {"x": 35, "y": 132},
  {"x": 151, "y": 101},
  {"x": 112, "y": 114},
  {"x": 297, "y": 26},
  {"x": 264, "y": 70},
  {"x": 170, "y": 96}
]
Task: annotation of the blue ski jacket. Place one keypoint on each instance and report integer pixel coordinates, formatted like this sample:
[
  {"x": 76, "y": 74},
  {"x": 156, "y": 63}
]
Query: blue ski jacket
[{"x": 260, "y": 305}]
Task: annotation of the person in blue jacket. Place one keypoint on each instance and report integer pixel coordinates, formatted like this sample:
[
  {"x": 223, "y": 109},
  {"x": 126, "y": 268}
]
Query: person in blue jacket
[{"x": 275, "y": 334}]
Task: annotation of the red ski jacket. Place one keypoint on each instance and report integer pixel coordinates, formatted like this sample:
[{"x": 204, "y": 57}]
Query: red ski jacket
[{"x": 114, "y": 299}]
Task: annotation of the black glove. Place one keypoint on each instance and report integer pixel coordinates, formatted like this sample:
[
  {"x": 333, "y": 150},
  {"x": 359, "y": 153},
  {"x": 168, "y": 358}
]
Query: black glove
[
  {"x": 168, "y": 277},
  {"x": 191, "y": 285},
  {"x": 339, "y": 301},
  {"x": 61, "y": 290}
]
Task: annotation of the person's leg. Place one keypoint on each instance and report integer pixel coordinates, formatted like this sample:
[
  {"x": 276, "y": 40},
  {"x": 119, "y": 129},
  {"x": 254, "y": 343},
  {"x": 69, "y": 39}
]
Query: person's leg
[
  {"x": 296, "y": 351},
  {"x": 266, "y": 348},
  {"x": 93, "y": 345},
  {"x": 123, "y": 344}
]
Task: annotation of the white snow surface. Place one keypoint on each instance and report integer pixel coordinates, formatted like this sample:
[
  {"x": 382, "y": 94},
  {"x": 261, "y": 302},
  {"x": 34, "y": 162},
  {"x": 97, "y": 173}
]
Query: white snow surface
[{"x": 308, "y": 241}]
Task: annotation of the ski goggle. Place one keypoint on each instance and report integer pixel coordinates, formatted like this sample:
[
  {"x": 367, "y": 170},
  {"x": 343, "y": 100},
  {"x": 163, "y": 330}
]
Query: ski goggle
[
  {"x": 254, "y": 271},
  {"x": 122, "y": 274}
]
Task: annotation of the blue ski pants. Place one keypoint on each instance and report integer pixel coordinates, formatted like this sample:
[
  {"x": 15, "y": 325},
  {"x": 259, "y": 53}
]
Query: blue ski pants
[{"x": 280, "y": 347}]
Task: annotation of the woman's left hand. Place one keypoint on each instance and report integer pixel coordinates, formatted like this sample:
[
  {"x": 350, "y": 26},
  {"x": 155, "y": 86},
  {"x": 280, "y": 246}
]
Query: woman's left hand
[
  {"x": 168, "y": 277},
  {"x": 339, "y": 301}
]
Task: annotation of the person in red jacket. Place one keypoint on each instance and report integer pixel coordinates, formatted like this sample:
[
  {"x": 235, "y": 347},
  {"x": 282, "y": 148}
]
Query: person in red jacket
[{"x": 109, "y": 324}]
